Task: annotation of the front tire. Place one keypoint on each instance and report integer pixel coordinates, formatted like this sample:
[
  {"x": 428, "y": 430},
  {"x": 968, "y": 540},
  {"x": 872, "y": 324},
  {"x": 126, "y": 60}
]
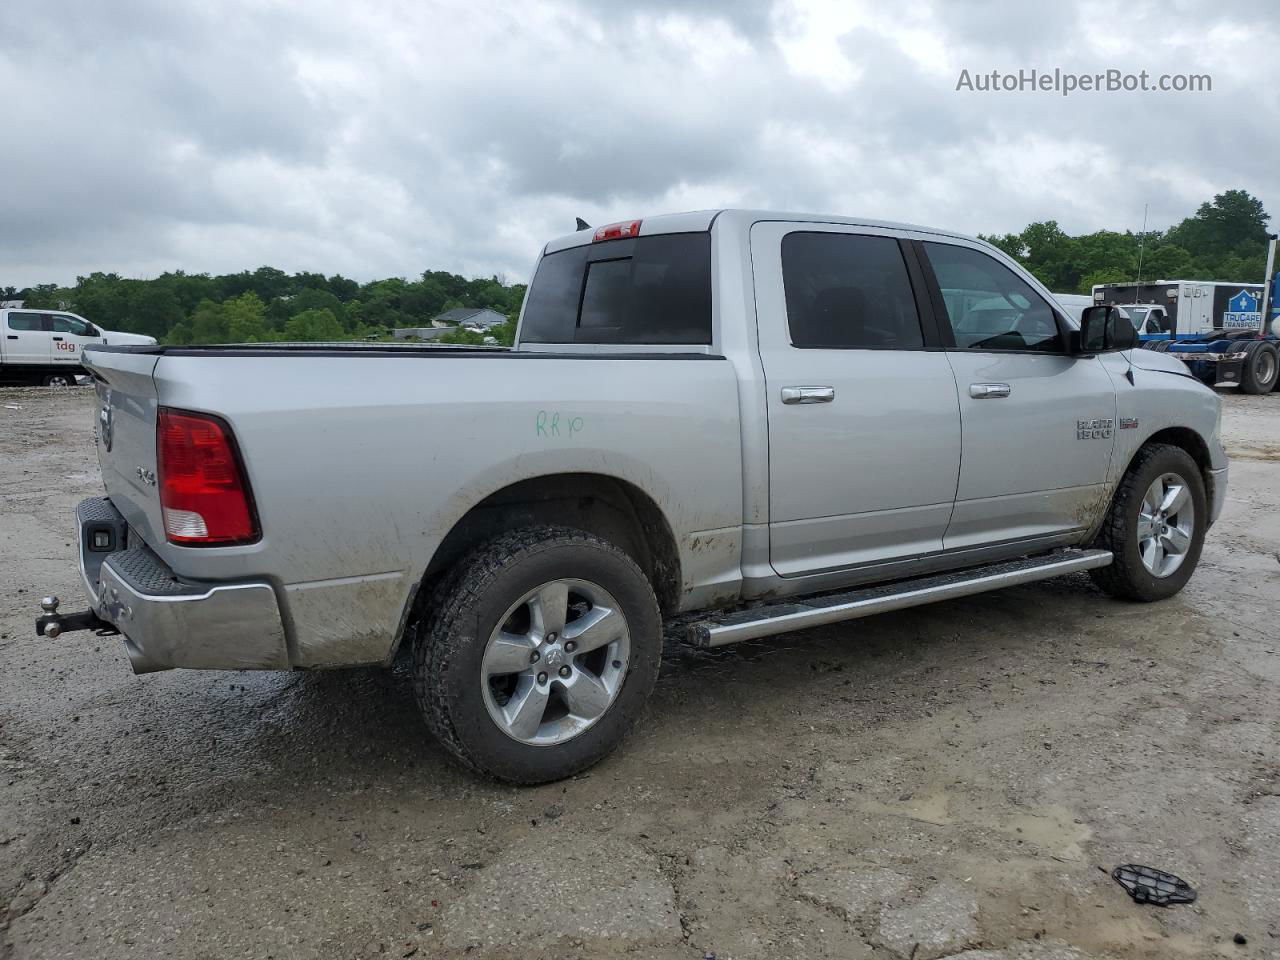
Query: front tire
[
  {"x": 539, "y": 655},
  {"x": 59, "y": 380},
  {"x": 1155, "y": 526}
]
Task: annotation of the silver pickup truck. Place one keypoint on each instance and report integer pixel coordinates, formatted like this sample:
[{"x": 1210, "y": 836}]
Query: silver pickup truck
[{"x": 727, "y": 424}]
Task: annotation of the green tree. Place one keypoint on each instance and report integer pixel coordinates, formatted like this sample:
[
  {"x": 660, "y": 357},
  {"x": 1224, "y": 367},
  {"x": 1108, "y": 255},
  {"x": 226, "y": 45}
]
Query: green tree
[
  {"x": 312, "y": 325},
  {"x": 1168, "y": 261},
  {"x": 154, "y": 309},
  {"x": 209, "y": 323},
  {"x": 315, "y": 298},
  {"x": 1232, "y": 220},
  {"x": 45, "y": 296},
  {"x": 1100, "y": 276},
  {"x": 459, "y": 335},
  {"x": 1010, "y": 243},
  {"x": 246, "y": 319}
]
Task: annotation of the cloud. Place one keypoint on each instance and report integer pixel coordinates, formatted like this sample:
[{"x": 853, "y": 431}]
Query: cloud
[{"x": 384, "y": 139}]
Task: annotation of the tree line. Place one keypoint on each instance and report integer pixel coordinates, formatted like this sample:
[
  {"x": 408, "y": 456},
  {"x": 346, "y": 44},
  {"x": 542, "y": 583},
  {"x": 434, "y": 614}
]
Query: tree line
[
  {"x": 1226, "y": 239},
  {"x": 267, "y": 304}
]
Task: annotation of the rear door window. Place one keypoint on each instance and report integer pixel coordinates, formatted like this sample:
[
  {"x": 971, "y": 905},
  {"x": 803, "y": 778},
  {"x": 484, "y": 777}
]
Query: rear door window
[
  {"x": 848, "y": 292},
  {"x": 29, "y": 321},
  {"x": 647, "y": 290}
]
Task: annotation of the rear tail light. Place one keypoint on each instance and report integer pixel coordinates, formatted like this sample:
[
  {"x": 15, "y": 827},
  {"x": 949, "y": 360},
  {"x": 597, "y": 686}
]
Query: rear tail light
[
  {"x": 204, "y": 493},
  {"x": 617, "y": 231}
]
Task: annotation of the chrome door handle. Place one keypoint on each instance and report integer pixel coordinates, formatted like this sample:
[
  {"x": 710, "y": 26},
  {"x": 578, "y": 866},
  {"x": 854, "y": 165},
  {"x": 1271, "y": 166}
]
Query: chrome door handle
[
  {"x": 988, "y": 391},
  {"x": 808, "y": 394}
]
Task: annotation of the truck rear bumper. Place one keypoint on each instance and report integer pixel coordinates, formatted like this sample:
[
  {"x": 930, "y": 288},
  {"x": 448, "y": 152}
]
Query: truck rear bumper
[{"x": 169, "y": 622}]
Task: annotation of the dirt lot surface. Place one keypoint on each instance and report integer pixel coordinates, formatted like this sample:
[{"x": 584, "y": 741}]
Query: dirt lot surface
[{"x": 953, "y": 780}]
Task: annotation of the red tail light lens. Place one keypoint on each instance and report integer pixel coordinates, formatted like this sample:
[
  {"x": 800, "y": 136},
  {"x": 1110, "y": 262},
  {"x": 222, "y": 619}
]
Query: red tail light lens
[
  {"x": 203, "y": 490},
  {"x": 617, "y": 231}
]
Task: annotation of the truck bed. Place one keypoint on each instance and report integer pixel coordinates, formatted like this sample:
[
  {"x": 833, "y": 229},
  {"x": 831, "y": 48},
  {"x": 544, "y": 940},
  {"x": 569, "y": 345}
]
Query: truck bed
[{"x": 398, "y": 442}]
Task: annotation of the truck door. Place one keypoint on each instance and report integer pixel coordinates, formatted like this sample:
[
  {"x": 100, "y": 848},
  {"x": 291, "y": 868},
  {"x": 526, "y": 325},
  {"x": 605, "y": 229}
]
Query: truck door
[
  {"x": 1206, "y": 321},
  {"x": 1038, "y": 425},
  {"x": 26, "y": 337},
  {"x": 864, "y": 426},
  {"x": 70, "y": 336}
]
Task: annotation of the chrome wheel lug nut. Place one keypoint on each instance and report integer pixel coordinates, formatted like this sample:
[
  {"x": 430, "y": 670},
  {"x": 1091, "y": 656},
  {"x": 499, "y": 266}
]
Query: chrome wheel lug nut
[
  {"x": 542, "y": 678},
  {"x": 535, "y": 657},
  {"x": 570, "y": 646},
  {"x": 564, "y": 671},
  {"x": 551, "y": 638}
]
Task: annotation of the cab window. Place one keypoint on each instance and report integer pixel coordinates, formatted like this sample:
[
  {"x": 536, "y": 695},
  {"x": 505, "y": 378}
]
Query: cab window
[
  {"x": 848, "y": 292},
  {"x": 74, "y": 326},
  {"x": 989, "y": 306},
  {"x": 28, "y": 321},
  {"x": 646, "y": 290}
]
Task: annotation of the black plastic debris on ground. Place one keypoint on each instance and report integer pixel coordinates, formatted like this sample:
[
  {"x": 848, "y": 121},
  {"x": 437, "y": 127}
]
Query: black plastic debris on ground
[{"x": 1148, "y": 885}]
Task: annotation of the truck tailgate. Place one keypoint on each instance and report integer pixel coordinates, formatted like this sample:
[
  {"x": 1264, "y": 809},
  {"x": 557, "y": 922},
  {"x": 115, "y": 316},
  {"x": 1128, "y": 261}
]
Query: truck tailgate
[{"x": 126, "y": 436}]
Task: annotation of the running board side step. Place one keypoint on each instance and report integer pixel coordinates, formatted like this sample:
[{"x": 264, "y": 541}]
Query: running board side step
[{"x": 783, "y": 616}]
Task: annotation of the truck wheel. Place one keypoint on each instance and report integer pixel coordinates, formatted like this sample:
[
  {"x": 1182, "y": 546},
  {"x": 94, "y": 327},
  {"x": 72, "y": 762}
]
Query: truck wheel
[
  {"x": 1155, "y": 526},
  {"x": 539, "y": 654},
  {"x": 1260, "y": 369},
  {"x": 59, "y": 380}
]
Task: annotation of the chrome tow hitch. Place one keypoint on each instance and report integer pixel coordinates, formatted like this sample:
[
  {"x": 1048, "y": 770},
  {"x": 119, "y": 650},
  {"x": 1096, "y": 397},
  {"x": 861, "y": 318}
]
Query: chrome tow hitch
[{"x": 53, "y": 624}]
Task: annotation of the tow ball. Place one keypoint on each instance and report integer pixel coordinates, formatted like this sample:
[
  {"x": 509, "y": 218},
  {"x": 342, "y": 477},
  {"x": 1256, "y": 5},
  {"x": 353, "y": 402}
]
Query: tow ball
[{"x": 53, "y": 624}]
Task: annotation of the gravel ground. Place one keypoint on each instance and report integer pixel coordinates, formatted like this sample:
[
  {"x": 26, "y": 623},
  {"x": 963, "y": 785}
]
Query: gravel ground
[{"x": 947, "y": 781}]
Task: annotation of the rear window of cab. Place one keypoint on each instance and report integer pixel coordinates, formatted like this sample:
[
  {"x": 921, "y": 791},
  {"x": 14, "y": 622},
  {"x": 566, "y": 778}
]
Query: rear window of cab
[{"x": 654, "y": 290}]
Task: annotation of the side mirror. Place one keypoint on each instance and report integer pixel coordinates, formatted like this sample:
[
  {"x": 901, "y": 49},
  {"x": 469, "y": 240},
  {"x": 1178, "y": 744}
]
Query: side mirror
[{"x": 1104, "y": 330}]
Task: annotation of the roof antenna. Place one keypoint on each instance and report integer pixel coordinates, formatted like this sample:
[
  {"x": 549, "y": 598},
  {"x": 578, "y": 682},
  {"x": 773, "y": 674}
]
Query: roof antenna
[
  {"x": 1142, "y": 239},
  {"x": 582, "y": 224}
]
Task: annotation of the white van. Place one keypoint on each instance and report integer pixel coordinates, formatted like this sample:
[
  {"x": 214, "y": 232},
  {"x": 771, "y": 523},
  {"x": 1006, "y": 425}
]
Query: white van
[{"x": 45, "y": 346}]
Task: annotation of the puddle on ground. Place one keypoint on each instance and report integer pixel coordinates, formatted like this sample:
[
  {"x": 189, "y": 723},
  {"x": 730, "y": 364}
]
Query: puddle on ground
[
  {"x": 930, "y": 809},
  {"x": 1052, "y": 829}
]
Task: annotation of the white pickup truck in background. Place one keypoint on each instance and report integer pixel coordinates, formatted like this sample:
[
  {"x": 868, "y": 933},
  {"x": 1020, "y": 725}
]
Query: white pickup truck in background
[
  {"x": 734, "y": 423},
  {"x": 47, "y": 346}
]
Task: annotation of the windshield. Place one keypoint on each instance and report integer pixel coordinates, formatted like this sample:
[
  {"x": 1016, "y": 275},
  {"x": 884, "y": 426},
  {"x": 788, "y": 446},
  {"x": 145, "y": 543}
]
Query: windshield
[{"x": 1138, "y": 315}]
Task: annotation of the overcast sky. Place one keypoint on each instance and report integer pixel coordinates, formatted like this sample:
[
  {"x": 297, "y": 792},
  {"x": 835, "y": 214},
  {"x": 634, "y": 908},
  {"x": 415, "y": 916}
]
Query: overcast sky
[{"x": 384, "y": 138}]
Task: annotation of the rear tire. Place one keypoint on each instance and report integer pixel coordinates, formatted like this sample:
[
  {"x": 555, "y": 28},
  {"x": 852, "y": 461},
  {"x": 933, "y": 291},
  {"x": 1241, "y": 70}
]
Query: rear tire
[
  {"x": 59, "y": 380},
  {"x": 523, "y": 693},
  {"x": 1155, "y": 550},
  {"x": 1260, "y": 369}
]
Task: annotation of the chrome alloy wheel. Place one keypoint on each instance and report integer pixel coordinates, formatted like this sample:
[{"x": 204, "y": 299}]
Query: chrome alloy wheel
[
  {"x": 1166, "y": 523},
  {"x": 555, "y": 663},
  {"x": 1265, "y": 367}
]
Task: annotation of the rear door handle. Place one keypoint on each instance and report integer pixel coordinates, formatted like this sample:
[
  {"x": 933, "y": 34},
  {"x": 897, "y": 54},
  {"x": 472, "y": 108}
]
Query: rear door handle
[
  {"x": 988, "y": 391},
  {"x": 808, "y": 394},
  {"x": 11, "y": 336},
  {"x": 59, "y": 339}
]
